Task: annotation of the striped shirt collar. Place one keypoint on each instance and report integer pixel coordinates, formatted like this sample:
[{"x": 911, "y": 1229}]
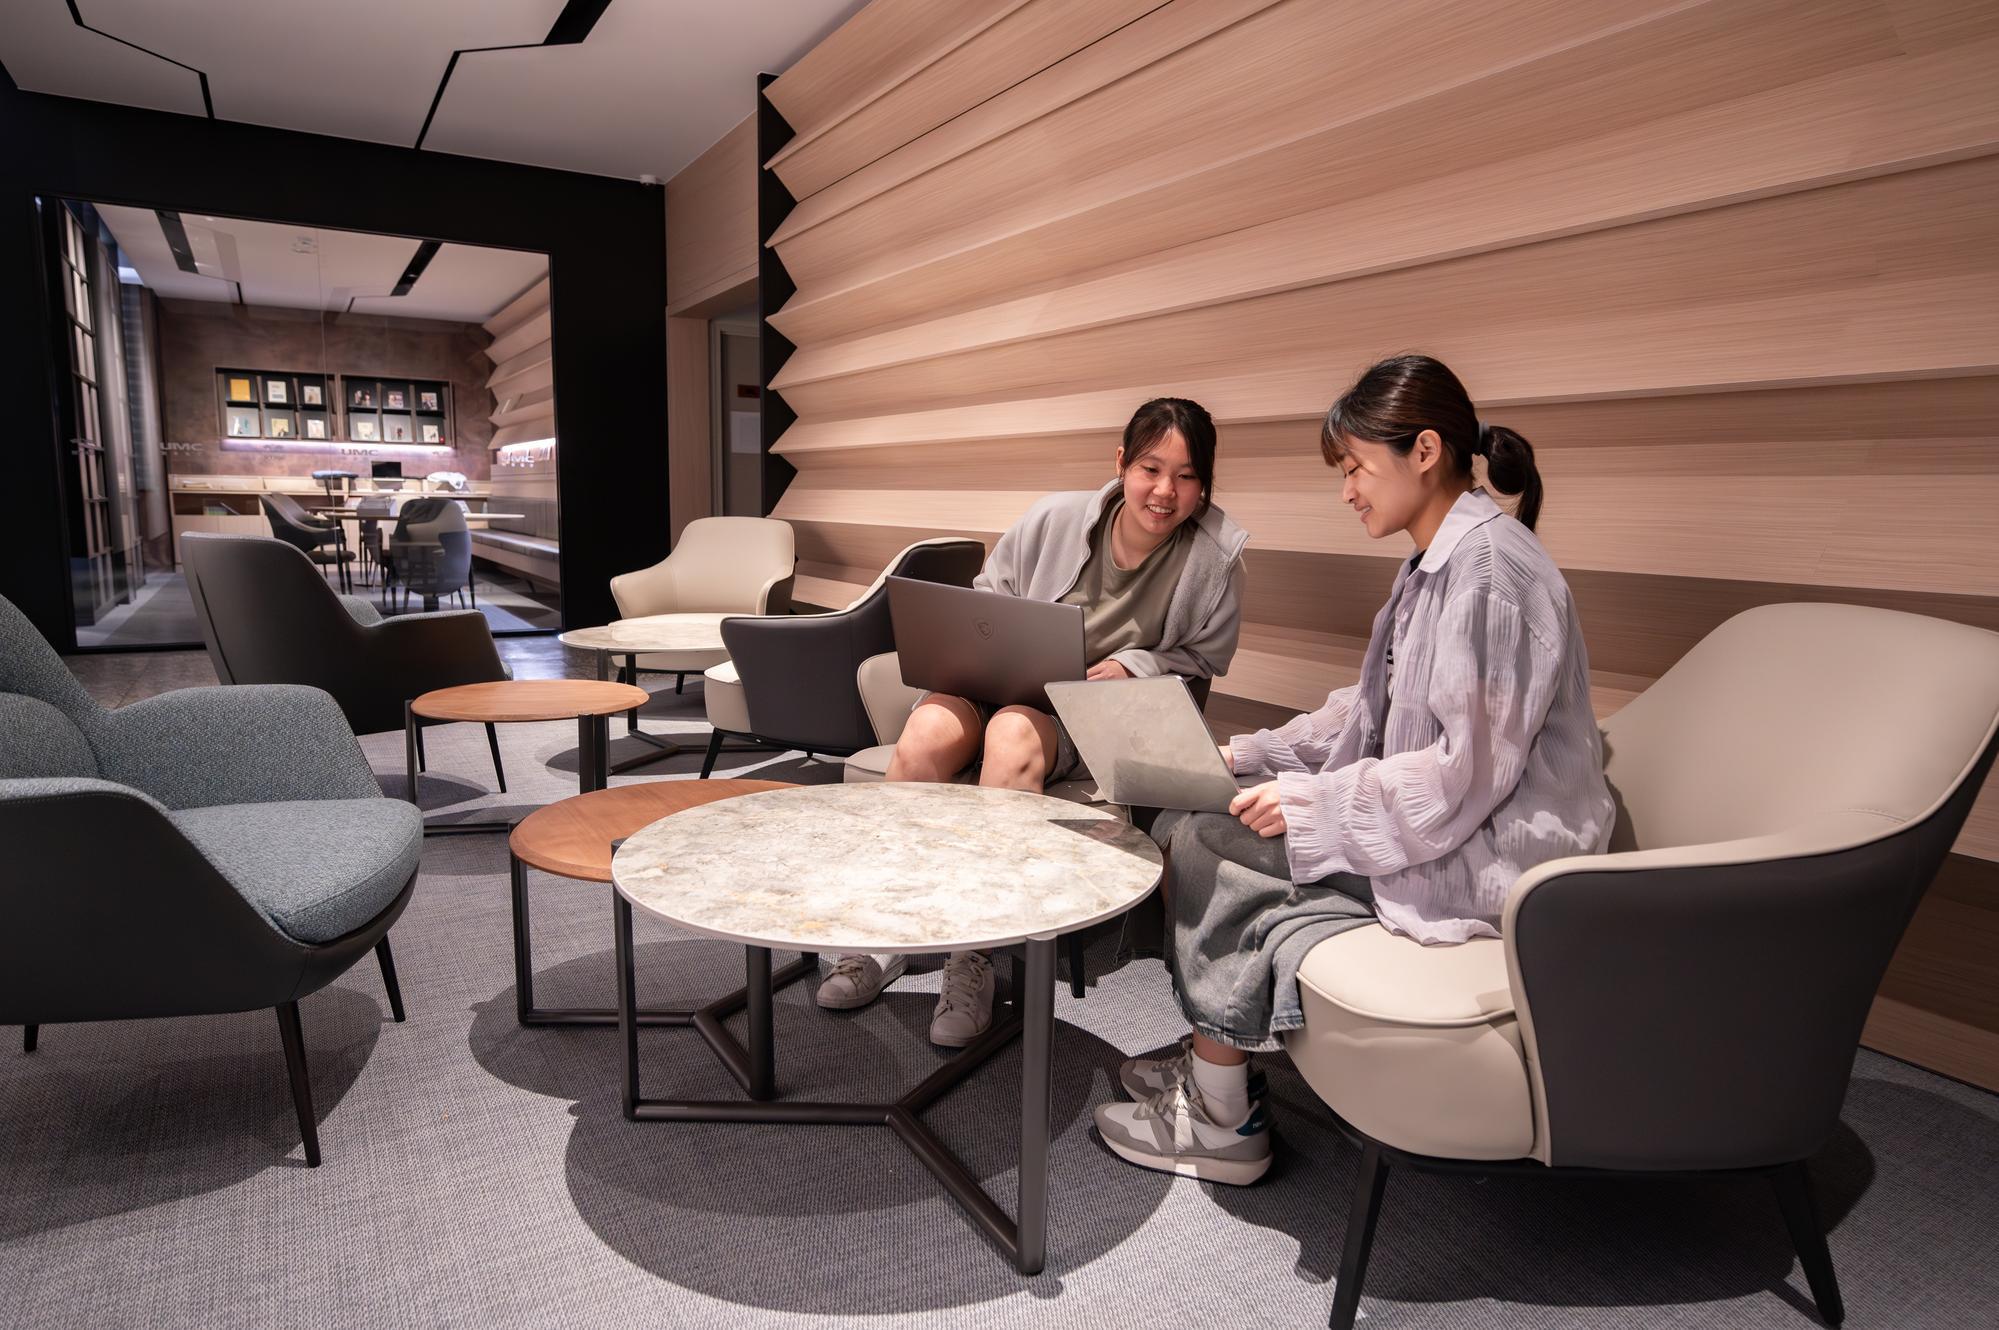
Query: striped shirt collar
[{"x": 1474, "y": 508}]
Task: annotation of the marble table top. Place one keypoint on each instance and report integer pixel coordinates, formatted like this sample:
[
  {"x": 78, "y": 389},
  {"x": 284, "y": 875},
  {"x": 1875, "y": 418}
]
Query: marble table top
[
  {"x": 887, "y": 868},
  {"x": 653, "y": 632}
]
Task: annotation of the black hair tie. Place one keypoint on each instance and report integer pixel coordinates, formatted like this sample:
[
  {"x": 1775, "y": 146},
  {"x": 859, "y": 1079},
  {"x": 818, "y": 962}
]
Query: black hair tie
[{"x": 1483, "y": 448}]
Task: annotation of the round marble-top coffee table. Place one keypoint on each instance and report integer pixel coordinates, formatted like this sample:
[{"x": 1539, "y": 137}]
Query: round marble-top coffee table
[
  {"x": 888, "y": 868},
  {"x": 677, "y": 644}
]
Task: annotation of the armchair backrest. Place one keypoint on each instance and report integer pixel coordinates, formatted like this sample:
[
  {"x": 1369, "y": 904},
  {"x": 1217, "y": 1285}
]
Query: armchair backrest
[
  {"x": 267, "y": 616},
  {"x": 720, "y": 565},
  {"x": 1786, "y": 794},
  {"x": 47, "y": 721},
  {"x": 799, "y": 672},
  {"x": 288, "y": 524}
]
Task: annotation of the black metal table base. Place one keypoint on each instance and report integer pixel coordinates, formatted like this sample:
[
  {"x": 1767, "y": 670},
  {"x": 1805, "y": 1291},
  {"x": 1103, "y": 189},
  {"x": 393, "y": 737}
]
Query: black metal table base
[
  {"x": 1023, "y": 1236},
  {"x": 593, "y": 743},
  {"x": 706, "y": 1019}
]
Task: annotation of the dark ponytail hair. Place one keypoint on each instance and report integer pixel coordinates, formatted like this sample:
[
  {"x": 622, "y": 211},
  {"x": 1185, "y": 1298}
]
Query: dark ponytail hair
[
  {"x": 1163, "y": 415},
  {"x": 1401, "y": 397}
]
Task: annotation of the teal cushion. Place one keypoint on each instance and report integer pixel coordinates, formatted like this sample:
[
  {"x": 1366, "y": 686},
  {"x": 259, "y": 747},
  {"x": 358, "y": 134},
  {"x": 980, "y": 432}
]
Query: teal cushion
[{"x": 316, "y": 869}]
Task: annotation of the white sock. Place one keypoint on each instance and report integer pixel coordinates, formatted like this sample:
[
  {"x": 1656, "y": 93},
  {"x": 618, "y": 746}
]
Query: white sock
[
  {"x": 1225, "y": 1089},
  {"x": 885, "y": 959}
]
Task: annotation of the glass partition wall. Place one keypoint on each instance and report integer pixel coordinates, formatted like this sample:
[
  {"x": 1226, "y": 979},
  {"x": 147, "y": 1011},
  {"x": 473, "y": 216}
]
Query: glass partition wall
[{"x": 333, "y": 389}]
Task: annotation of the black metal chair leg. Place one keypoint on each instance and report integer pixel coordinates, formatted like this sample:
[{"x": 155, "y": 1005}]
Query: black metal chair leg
[
  {"x": 30, "y": 1036},
  {"x": 714, "y": 751},
  {"x": 388, "y": 960},
  {"x": 1369, "y": 1182},
  {"x": 422, "y": 762},
  {"x": 472, "y": 586},
  {"x": 493, "y": 742},
  {"x": 679, "y": 682},
  {"x": 1074, "y": 943},
  {"x": 294, "y": 1040},
  {"x": 1793, "y": 1186}
]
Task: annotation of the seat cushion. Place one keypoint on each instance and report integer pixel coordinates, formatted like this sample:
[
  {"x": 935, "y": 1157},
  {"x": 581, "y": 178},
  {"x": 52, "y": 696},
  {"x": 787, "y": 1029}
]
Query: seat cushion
[
  {"x": 36, "y": 739},
  {"x": 722, "y": 693},
  {"x": 316, "y": 869},
  {"x": 1416, "y": 1046}
]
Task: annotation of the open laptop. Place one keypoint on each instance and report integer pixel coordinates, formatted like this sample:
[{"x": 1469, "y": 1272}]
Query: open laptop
[
  {"x": 1145, "y": 743},
  {"x": 981, "y": 645}
]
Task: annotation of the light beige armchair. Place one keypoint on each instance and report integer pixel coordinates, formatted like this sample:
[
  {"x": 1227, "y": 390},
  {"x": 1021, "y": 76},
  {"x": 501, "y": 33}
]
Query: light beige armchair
[
  {"x": 720, "y": 565},
  {"x": 1691, "y": 1002}
]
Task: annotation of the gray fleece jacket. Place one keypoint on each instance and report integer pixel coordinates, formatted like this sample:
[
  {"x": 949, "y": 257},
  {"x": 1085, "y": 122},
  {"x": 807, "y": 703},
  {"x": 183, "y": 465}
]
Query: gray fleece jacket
[{"x": 1042, "y": 555}]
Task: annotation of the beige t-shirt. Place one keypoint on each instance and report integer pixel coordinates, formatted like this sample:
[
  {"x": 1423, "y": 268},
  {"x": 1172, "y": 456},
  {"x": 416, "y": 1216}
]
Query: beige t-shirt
[{"x": 1126, "y": 608}]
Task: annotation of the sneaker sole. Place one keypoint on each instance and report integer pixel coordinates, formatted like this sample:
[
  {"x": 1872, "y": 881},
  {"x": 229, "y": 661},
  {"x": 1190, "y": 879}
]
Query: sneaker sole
[
  {"x": 953, "y": 1041},
  {"x": 1232, "y": 1172},
  {"x": 855, "y": 1003}
]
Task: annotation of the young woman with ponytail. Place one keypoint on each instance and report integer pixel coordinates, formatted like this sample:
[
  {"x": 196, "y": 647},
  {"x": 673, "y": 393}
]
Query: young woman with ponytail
[{"x": 1466, "y": 754}]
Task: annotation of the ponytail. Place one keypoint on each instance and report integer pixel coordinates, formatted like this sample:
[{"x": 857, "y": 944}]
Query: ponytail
[{"x": 1510, "y": 469}]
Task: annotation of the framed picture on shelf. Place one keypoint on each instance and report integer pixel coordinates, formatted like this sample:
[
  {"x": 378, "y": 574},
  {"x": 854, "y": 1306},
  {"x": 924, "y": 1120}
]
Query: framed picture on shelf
[
  {"x": 426, "y": 401},
  {"x": 396, "y": 429},
  {"x": 315, "y": 428},
  {"x": 432, "y": 434},
  {"x": 280, "y": 426},
  {"x": 364, "y": 398},
  {"x": 392, "y": 399},
  {"x": 239, "y": 390},
  {"x": 309, "y": 395},
  {"x": 364, "y": 431},
  {"x": 274, "y": 391},
  {"x": 244, "y": 425}
]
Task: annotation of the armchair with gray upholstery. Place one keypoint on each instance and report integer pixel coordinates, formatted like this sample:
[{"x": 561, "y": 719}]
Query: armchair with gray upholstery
[
  {"x": 201, "y": 852},
  {"x": 790, "y": 680},
  {"x": 720, "y": 565},
  {"x": 321, "y": 542},
  {"x": 266, "y": 617},
  {"x": 1691, "y": 1002}
]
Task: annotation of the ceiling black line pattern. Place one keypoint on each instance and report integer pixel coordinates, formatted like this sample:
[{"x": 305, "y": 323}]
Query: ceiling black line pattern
[
  {"x": 207, "y": 101},
  {"x": 571, "y": 26},
  {"x": 418, "y": 262}
]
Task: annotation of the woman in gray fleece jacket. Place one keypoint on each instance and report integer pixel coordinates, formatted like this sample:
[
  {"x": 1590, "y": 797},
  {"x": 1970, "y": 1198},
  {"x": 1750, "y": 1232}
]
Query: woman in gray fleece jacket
[{"x": 1157, "y": 569}]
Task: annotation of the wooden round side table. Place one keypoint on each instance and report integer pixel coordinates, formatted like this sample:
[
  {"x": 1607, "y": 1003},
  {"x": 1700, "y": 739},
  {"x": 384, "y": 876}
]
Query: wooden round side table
[
  {"x": 590, "y": 702},
  {"x": 575, "y": 838}
]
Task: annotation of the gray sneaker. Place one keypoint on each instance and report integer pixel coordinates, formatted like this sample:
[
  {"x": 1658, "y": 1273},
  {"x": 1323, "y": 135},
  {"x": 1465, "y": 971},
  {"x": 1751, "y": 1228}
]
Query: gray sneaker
[
  {"x": 1142, "y": 1078},
  {"x": 1173, "y": 1132},
  {"x": 857, "y": 980},
  {"x": 965, "y": 1004}
]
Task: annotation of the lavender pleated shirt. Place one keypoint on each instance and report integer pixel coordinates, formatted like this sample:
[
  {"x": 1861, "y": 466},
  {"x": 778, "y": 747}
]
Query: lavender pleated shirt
[{"x": 1485, "y": 761}]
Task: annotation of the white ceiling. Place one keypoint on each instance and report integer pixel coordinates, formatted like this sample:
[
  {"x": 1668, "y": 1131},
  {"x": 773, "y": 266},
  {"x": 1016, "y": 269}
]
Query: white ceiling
[
  {"x": 654, "y": 85},
  {"x": 296, "y": 267}
]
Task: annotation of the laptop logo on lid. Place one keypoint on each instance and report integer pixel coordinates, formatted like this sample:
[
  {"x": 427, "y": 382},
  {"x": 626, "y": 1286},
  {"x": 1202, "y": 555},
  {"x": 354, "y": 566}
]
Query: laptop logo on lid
[{"x": 985, "y": 628}]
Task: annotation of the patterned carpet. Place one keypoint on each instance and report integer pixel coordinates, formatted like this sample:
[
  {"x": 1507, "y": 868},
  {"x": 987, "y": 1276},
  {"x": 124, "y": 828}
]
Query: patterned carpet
[{"x": 477, "y": 1173}]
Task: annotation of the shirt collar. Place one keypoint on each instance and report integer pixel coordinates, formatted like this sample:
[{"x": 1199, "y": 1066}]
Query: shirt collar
[{"x": 1474, "y": 508}]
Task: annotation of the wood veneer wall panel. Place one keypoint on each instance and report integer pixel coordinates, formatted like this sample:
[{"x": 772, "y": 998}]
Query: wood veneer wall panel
[
  {"x": 873, "y": 51},
  {"x": 1020, "y": 43},
  {"x": 1222, "y": 134},
  {"x": 711, "y": 217}
]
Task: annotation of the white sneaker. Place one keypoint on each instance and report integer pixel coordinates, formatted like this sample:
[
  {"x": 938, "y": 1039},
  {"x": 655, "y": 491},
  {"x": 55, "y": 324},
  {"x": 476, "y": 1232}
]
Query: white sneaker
[
  {"x": 857, "y": 980},
  {"x": 1142, "y": 1078},
  {"x": 1173, "y": 1132},
  {"x": 965, "y": 1006}
]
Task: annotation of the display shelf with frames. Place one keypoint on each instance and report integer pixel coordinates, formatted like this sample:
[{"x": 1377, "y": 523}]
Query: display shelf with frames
[
  {"x": 288, "y": 406},
  {"x": 397, "y": 412}
]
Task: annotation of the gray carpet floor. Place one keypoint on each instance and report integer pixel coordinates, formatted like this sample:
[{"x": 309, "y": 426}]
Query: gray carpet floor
[{"x": 479, "y": 1174}]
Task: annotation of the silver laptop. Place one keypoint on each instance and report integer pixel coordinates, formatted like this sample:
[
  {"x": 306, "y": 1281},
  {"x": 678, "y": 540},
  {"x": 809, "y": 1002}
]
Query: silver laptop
[
  {"x": 1145, "y": 743},
  {"x": 982, "y": 645}
]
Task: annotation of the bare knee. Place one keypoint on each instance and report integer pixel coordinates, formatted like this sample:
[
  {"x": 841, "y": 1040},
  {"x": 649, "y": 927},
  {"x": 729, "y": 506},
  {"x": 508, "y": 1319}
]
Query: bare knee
[
  {"x": 1020, "y": 745},
  {"x": 938, "y": 741}
]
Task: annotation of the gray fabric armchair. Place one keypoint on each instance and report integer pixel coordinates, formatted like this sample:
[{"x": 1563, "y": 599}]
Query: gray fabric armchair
[
  {"x": 201, "y": 852},
  {"x": 266, "y": 617},
  {"x": 1691, "y": 1002}
]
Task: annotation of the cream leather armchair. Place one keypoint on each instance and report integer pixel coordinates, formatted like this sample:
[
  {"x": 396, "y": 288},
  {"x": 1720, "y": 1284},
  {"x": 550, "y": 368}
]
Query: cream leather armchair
[
  {"x": 720, "y": 565},
  {"x": 1691, "y": 1002}
]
